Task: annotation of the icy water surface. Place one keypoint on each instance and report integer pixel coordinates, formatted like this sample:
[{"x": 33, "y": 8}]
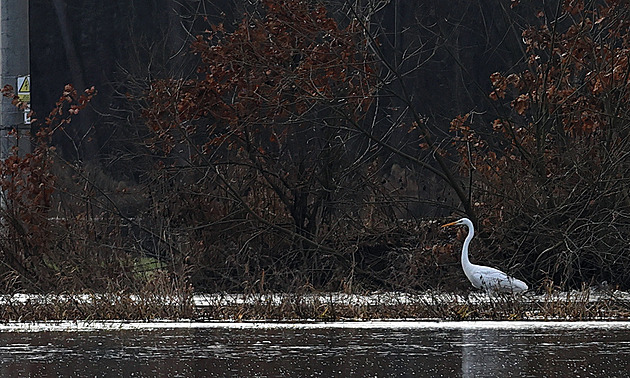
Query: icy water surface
[{"x": 382, "y": 349}]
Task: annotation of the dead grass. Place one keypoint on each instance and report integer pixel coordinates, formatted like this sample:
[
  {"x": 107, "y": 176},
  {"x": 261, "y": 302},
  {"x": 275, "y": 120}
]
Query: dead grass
[
  {"x": 93, "y": 307},
  {"x": 568, "y": 306},
  {"x": 571, "y": 306},
  {"x": 162, "y": 297}
]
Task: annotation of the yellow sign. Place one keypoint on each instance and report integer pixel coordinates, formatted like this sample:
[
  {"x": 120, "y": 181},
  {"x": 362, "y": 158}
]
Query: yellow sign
[{"x": 24, "y": 88}]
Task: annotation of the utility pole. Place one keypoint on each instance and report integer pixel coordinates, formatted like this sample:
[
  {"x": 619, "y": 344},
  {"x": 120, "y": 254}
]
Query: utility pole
[{"x": 15, "y": 71}]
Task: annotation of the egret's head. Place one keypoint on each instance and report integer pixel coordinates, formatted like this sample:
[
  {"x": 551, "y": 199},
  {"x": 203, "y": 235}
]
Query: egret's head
[{"x": 461, "y": 222}]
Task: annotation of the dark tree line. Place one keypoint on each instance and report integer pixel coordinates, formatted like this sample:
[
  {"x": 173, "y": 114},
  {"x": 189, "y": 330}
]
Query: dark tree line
[
  {"x": 296, "y": 145},
  {"x": 454, "y": 48}
]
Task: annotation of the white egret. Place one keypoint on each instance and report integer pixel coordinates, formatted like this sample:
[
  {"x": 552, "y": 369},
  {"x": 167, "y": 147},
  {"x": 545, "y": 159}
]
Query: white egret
[{"x": 485, "y": 277}]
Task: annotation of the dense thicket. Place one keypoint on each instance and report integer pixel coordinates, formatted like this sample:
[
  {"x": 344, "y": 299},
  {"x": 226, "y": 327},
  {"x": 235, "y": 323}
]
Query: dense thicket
[
  {"x": 553, "y": 176},
  {"x": 285, "y": 145}
]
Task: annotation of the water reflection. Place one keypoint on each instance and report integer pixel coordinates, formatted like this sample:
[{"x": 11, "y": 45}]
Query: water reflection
[
  {"x": 491, "y": 352},
  {"x": 278, "y": 352},
  {"x": 555, "y": 353}
]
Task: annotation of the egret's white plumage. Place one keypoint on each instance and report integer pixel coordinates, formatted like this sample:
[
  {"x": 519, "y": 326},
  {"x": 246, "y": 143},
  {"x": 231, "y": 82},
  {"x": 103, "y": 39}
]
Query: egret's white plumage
[{"x": 485, "y": 277}]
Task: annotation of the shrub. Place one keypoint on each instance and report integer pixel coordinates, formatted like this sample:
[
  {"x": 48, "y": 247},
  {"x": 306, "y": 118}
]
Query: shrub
[
  {"x": 262, "y": 170},
  {"x": 551, "y": 183}
]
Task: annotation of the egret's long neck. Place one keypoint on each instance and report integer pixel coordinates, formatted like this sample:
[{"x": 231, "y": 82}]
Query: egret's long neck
[{"x": 471, "y": 233}]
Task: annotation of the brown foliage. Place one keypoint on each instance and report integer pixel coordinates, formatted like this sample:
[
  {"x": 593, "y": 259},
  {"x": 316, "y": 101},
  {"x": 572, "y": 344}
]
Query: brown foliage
[
  {"x": 27, "y": 183},
  {"x": 550, "y": 183},
  {"x": 257, "y": 84},
  {"x": 260, "y": 147},
  {"x": 48, "y": 245}
]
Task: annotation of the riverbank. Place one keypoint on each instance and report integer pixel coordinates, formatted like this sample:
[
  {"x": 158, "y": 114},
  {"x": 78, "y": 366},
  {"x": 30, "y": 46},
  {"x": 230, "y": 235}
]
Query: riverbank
[
  {"x": 123, "y": 325},
  {"x": 584, "y": 305}
]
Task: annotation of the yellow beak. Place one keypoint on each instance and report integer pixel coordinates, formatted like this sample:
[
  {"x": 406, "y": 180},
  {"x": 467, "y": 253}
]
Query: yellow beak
[{"x": 449, "y": 224}]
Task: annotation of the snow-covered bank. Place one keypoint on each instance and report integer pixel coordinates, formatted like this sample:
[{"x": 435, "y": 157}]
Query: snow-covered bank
[
  {"x": 375, "y": 299},
  {"x": 284, "y": 307},
  {"x": 70, "y": 326},
  {"x": 394, "y": 298}
]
